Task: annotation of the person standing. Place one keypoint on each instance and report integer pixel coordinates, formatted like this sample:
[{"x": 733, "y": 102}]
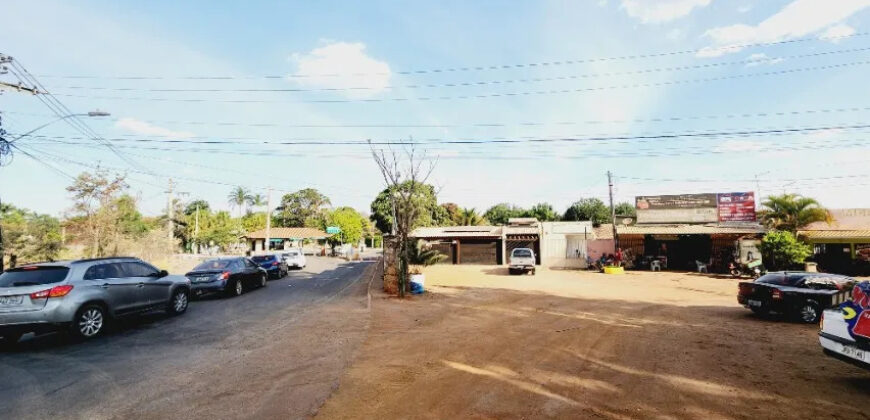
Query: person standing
[{"x": 618, "y": 257}]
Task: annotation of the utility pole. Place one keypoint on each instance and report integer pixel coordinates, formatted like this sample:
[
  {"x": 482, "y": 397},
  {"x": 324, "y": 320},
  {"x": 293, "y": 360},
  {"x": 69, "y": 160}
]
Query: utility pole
[
  {"x": 169, "y": 209},
  {"x": 612, "y": 212},
  {"x": 196, "y": 229},
  {"x": 268, "y": 217}
]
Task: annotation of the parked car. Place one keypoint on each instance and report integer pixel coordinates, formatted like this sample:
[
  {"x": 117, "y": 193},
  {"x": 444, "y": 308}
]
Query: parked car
[
  {"x": 522, "y": 260},
  {"x": 802, "y": 295},
  {"x": 82, "y": 296},
  {"x": 273, "y": 264},
  {"x": 844, "y": 332},
  {"x": 294, "y": 258},
  {"x": 231, "y": 276}
]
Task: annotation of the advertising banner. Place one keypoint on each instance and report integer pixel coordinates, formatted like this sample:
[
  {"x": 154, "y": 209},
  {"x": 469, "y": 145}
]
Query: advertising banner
[
  {"x": 673, "y": 202},
  {"x": 737, "y": 207}
]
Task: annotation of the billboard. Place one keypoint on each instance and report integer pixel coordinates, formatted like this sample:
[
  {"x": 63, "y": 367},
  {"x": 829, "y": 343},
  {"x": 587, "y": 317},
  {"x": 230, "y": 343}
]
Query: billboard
[
  {"x": 737, "y": 207},
  {"x": 673, "y": 202}
]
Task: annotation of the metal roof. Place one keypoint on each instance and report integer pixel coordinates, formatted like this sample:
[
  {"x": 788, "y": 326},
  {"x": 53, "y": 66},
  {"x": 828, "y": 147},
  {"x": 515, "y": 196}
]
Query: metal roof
[
  {"x": 458, "y": 232},
  {"x": 289, "y": 233},
  {"x": 835, "y": 234}
]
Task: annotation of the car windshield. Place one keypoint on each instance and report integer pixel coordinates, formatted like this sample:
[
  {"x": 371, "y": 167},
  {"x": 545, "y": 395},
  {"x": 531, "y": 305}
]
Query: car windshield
[
  {"x": 33, "y": 276},
  {"x": 262, "y": 258},
  {"x": 522, "y": 253},
  {"x": 214, "y": 265}
]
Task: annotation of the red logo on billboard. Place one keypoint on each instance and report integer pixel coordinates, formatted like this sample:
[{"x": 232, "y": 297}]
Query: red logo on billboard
[{"x": 736, "y": 207}]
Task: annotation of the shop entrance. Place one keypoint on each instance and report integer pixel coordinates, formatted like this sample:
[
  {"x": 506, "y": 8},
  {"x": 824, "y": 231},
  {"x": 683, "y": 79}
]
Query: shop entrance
[{"x": 679, "y": 252}]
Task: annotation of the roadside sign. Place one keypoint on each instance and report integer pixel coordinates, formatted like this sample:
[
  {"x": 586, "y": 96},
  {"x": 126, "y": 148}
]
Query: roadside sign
[{"x": 332, "y": 230}]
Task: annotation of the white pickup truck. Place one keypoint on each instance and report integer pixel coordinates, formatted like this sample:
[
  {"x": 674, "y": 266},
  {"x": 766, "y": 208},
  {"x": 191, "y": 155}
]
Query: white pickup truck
[
  {"x": 838, "y": 342},
  {"x": 522, "y": 260}
]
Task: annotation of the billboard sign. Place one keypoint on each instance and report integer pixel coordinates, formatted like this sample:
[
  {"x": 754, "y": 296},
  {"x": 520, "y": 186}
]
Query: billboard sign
[
  {"x": 674, "y": 202},
  {"x": 737, "y": 207}
]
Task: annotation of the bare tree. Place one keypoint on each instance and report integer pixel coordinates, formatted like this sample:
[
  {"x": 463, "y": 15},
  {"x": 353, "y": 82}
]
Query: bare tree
[{"x": 403, "y": 171}]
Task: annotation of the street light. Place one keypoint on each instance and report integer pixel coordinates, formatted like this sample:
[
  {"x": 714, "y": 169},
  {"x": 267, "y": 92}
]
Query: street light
[{"x": 95, "y": 113}]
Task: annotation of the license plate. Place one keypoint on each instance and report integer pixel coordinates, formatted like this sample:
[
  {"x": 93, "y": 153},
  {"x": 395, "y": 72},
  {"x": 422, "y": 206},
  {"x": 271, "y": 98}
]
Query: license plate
[
  {"x": 753, "y": 303},
  {"x": 202, "y": 279},
  {"x": 11, "y": 300},
  {"x": 856, "y": 354}
]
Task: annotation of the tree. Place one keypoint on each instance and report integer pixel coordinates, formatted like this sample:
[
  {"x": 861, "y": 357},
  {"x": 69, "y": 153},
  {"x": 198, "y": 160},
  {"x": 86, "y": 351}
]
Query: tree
[
  {"x": 420, "y": 253},
  {"x": 422, "y": 197},
  {"x": 791, "y": 212},
  {"x": 591, "y": 209},
  {"x": 130, "y": 222},
  {"x": 782, "y": 250},
  {"x": 452, "y": 210},
  {"x": 95, "y": 198},
  {"x": 543, "y": 212},
  {"x": 254, "y": 221},
  {"x": 239, "y": 197},
  {"x": 217, "y": 229},
  {"x": 469, "y": 217},
  {"x": 500, "y": 213},
  {"x": 297, "y": 207},
  {"x": 192, "y": 207},
  {"x": 351, "y": 223},
  {"x": 29, "y": 236},
  {"x": 625, "y": 209},
  {"x": 406, "y": 202},
  {"x": 257, "y": 201}
]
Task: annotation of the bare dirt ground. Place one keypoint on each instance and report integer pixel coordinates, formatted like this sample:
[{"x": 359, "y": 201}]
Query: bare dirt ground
[{"x": 570, "y": 344}]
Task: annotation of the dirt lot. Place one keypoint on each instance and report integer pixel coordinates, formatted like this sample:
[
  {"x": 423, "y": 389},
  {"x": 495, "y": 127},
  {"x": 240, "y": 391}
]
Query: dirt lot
[{"x": 573, "y": 344}]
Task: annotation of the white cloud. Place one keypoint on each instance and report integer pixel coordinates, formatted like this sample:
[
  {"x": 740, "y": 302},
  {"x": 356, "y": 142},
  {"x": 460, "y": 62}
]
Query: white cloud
[
  {"x": 660, "y": 11},
  {"x": 738, "y": 146},
  {"x": 758, "y": 59},
  {"x": 798, "y": 18},
  {"x": 744, "y": 9},
  {"x": 342, "y": 66},
  {"x": 146, "y": 129},
  {"x": 836, "y": 33}
]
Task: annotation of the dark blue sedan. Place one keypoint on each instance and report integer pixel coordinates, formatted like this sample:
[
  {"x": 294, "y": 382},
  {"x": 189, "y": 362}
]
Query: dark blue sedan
[{"x": 273, "y": 264}]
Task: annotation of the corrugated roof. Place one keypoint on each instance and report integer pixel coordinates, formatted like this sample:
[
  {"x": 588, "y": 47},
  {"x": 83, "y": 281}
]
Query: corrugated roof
[
  {"x": 835, "y": 234},
  {"x": 844, "y": 219},
  {"x": 457, "y": 232},
  {"x": 686, "y": 229},
  {"x": 289, "y": 233}
]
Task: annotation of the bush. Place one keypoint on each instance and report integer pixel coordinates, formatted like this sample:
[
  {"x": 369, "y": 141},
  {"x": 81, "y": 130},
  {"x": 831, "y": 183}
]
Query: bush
[{"x": 782, "y": 250}]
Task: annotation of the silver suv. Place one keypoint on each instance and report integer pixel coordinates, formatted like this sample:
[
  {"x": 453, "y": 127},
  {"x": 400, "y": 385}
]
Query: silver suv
[{"x": 83, "y": 295}]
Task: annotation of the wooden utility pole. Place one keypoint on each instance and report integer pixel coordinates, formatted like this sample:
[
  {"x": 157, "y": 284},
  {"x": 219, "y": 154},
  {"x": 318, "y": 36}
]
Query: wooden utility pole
[
  {"x": 612, "y": 212},
  {"x": 169, "y": 210}
]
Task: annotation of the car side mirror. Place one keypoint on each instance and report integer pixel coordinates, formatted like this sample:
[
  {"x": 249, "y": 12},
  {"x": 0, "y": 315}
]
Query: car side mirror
[{"x": 162, "y": 273}]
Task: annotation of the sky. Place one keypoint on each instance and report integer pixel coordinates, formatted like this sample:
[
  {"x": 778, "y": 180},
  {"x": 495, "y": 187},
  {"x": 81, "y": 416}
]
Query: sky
[{"x": 671, "y": 96}]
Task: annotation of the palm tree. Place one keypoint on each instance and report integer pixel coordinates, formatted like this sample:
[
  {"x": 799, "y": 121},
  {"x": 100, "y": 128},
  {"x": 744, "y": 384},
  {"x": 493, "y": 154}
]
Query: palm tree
[
  {"x": 791, "y": 212},
  {"x": 469, "y": 217},
  {"x": 257, "y": 200},
  {"x": 420, "y": 253},
  {"x": 238, "y": 197}
]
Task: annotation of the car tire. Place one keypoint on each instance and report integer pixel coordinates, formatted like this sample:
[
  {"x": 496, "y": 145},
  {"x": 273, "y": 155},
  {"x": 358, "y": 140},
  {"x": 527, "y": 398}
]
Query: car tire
[
  {"x": 533, "y": 272},
  {"x": 236, "y": 289},
  {"x": 809, "y": 312},
  {"x": 9, "y": 340},
  {"x": 511, "y": 271},
  {"x": 263, "y": 280},
  {"x": 178, "y": 303},
  {"x": 89, "y": 322}
]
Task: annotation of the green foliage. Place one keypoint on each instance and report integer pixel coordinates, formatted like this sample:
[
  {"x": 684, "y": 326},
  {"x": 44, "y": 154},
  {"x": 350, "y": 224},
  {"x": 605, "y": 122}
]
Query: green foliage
[
  {"x": 297, "y": 208},
  {"x": 426, "y": 210},
  {"x": 543, "y": 212},
  {"x": 352, "y": 224},
  {"x": 130, "y": 222},
  {"x": 452, "y": 210},
  {"x": 196, "y": 204},
  {"x": 782, "y": 250},
  {"x": 238, "y": 198},
  {"x": 254, "y": 221},
  {"x": 421, "y": 253},
  {"x": 468, "y": 217},
  {"x": 625, "y": 209},
  {"x": 217, "y": 229},
  {"x": 500, "y": 213},
  {"x": 791, "y": 212},
  {"x": 588, "y": 209},
  {"x": 29, "y": 236},
  {"x": 99, "y": 206}
]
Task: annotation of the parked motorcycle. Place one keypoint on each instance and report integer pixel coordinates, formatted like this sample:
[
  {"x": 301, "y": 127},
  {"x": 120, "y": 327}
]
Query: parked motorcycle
[{"x": 752, "y": 269}]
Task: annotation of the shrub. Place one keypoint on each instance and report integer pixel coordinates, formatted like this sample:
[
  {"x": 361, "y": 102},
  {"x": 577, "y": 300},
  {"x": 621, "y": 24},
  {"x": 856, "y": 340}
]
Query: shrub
[{"x": 782, "y": 250}]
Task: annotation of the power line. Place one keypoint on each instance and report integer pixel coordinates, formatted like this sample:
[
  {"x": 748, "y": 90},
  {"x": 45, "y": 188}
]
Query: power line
[
  {"x": 473, "y": 68},
  {"x": 470, "y": 84}
]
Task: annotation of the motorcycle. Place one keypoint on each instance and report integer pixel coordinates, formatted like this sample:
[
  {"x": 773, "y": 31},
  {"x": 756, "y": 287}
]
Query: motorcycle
[{"x": 752, "y": 269}]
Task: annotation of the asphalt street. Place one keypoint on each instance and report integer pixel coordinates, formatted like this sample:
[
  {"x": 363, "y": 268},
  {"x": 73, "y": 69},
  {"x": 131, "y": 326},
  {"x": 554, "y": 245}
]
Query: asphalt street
[{"x": 143, "y": 367}]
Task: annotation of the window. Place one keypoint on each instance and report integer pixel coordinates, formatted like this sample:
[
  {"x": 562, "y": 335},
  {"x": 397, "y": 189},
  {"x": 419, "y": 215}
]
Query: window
[
  {"x": 214, "y": 265},
  {"x": 104, "y": 271},
  {"x": 137, "y": 269},
  {"x": 32, "y": 276},
  {"x": 250, "y": 264},
  {"x": 263, "y": 258},
  {"x": 522, "y": 253}
]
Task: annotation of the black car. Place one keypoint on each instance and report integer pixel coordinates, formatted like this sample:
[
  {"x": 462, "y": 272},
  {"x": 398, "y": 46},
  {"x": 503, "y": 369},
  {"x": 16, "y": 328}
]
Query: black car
[
  {"x": 802, "y": 295},
  {"x": 231, "y": 276}
]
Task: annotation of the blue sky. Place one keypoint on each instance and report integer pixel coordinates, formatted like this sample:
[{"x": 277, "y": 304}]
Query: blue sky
[{"x": 688, "y": 68}]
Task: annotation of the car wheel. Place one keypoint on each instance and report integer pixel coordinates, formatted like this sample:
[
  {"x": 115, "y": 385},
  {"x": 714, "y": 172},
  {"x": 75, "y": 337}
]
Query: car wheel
[
  {"x": 533, "y": 272},
  {"x": 809, "y": 313},
  {"x": 89, "y": 322},
  {"x": 237, "y": 289},
  {"x": 178, "y": 303},
  {"x": 9, "y": 340},
  {"x": 262, "y": 281}
]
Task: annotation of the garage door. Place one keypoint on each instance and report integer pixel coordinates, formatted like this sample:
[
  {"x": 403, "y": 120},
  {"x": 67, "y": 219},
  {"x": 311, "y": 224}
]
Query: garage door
[
  {"x": 479, "y": 253},
  {"x": 445, "y": 248}
]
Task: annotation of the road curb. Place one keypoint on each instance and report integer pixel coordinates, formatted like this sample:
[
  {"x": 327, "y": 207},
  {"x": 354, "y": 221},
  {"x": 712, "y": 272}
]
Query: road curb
[{"x": 369, "y": 287}]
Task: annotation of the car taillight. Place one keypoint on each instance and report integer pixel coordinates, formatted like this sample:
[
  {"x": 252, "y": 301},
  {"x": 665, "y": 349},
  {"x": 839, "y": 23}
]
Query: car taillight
[
  {"x": 225, "y": 275},
  {"x": 777, "y": 294},
  {"x": 274, "y": 263},
  {"x": 56, "y": 291}
]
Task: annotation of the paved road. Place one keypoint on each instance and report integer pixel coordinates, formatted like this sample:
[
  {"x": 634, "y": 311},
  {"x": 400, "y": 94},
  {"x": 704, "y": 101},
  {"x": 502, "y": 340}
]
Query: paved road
[{"x": 207, "y": 361}]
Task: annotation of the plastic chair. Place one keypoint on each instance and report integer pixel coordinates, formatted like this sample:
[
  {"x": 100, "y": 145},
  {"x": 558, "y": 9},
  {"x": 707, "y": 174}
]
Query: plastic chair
[
  {"x": 655, "y": 265},
  {"x": 702, "y": 266}
]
